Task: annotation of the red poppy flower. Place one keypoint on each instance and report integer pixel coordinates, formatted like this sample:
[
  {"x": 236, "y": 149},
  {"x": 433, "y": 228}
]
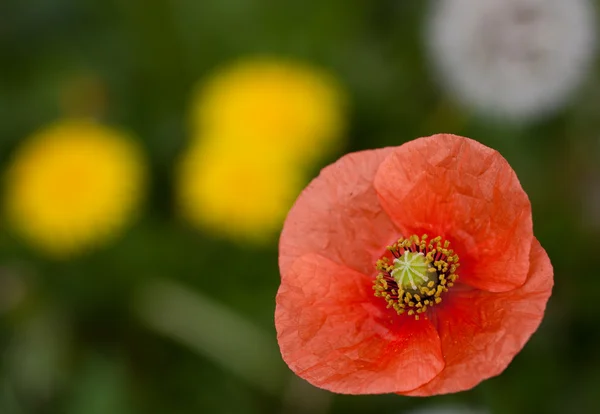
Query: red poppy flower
[{"x": 411, "y": 270}]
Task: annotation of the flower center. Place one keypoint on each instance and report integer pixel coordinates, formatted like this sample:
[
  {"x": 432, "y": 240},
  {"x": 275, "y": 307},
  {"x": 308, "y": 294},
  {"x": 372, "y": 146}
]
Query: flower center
[{"x": 419, "y": 273}]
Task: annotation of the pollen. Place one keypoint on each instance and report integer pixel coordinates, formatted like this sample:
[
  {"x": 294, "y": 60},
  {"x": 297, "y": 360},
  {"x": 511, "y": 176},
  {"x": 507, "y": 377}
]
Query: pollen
[{"x": 416, "y": 274}]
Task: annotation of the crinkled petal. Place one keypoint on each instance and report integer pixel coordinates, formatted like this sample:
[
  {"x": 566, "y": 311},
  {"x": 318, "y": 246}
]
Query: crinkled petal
[
  {"x": 337, "y": 335},
  {"x": 459, "y": 189},
  {"x": 339, "y": 216},
  {"x": 481, "y": 332}
]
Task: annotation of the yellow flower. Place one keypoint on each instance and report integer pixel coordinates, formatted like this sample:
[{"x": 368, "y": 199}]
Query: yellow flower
[
  {"x": 239, "y": 194},
  {"x": 72, "y": 185},
  {"x": 292, "y": 108}
]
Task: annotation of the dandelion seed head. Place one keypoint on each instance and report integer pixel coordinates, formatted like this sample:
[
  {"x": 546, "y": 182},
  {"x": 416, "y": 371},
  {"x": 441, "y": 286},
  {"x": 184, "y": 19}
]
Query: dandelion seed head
[{"x": 517, "y": 59}]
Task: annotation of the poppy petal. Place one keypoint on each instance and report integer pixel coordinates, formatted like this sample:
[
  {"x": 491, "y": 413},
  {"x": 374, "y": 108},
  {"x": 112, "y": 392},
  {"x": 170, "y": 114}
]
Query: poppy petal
[
  {"x": 339, "y": 216},
  {"x": 457, "y": 188},
  {"x": 481, "y": 332},
  {"x": 335, "y": 334}
]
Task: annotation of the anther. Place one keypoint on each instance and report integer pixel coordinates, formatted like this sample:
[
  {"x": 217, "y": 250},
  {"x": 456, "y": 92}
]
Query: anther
[{"x": 416, "y": 275}]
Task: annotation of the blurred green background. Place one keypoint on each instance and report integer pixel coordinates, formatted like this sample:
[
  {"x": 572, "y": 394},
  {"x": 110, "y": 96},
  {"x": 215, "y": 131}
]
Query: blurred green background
[{"x": 168, "y": 319}]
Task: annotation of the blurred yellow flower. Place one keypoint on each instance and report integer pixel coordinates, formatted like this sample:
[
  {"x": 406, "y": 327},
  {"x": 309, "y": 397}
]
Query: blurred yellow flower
[
  {"x": 287, "y": 108},
  {"x": 72, "y": 185},
  {"x": 235, "y": 193}
]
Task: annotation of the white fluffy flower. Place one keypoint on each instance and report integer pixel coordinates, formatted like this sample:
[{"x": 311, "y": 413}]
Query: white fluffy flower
[{"x": 515, "y": 58}]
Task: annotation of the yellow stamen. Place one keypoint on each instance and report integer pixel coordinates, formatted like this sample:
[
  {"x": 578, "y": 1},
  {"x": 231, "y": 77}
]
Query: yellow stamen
[{"x": 417, "y": 274}]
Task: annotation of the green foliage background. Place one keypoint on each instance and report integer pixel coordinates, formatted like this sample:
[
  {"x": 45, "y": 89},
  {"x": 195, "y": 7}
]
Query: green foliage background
[{"x": 82, "y": 336}]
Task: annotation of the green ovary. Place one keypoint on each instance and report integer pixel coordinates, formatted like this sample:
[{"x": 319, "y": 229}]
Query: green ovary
[{"x": 412, "y": 270}]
